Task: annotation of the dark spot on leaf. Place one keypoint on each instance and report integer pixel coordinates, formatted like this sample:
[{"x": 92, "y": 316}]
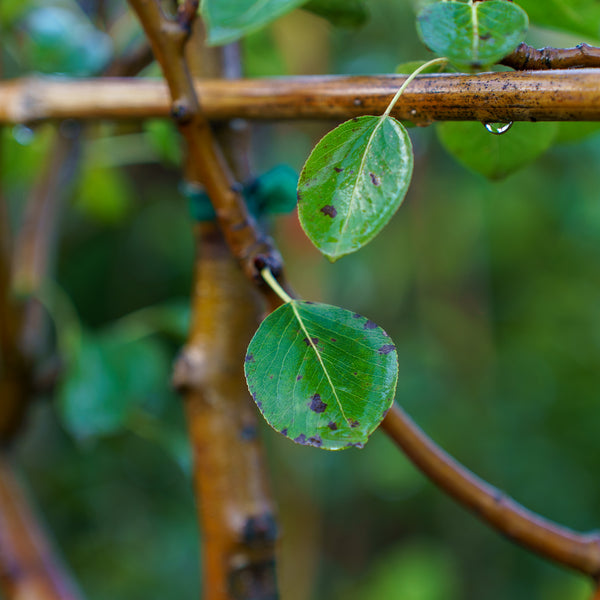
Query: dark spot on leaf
[
  {"x": 355, "y": 373},
  {"x": 354, "y": 445},
  {"x": 299, "y": 378},
  {"x": 315, "y": 441},
  {"x": 299, "y": 196},
  {"x": 333, "y": 426},
  {"x": 315, "y": 341},
  {"x": 354, "y": 424},
  {"x": 249, "y": 358},
  {"x": 284, "y": 431},
  {"x": 301, "y": 439},
  {"x": 329, "y": 210},
  {"x": 259, "y": 404},
  {"x": 370, "y": 325},
  {"x": 357, "y": 316},
  {"x": 485, "y": 36},
  {"x": 308, "y": 302},
  {"x": 386, "y": 349},
  {"x": 270, "y": 376},
  {"x": 317, "y": 405},
  {"x": 374, "y": 179},
  {"x": 333, "y": 339},
  {"x": 338, "y": 169}
]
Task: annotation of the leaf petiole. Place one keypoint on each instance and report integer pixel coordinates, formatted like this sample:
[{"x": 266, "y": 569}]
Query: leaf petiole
[
  {"x": 274, "y": 285},
  {"x": 435, "y": 61}
]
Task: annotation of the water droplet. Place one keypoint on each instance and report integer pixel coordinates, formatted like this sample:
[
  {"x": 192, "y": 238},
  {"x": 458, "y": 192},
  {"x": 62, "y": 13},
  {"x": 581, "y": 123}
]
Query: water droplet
[
  {"x": 498, "y": 128},
  {"x": 22, "y": 134}
]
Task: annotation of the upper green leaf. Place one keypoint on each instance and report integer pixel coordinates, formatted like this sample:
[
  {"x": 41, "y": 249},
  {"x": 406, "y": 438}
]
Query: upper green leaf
[
  {"x": 581, "y": 17},
  {"x": 231, "y": 20},
  {"x": 353, "y": 182},
  {"x": 474, "y": 34},
  {"x": 496, "y": 156},
  {"x": 321, "y": 375},
  {"x": 342, "y": 13}
]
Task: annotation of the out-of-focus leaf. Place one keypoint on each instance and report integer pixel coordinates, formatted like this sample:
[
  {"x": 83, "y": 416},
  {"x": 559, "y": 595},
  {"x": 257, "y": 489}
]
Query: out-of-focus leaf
[
  {"x": 262, "y": 55},
  {"x": 106, "y": 379},
  {"x": 496, "y": 156},
  {"x": 164, "y": 138},
  {"x": 229, "y": 21},
  {"x": 60, "y": 41},
  {"x": 581, "y": 17},
  {"x": 573, "y": 131},
  {"x": 418, "y": 571},
  {"x": 353, "y": 182},
  {"x": 104, "y": 195},
  {"x": 472, "y": 35},
  {"x": 321, "y": 375},
  {"x": 342, "y": 13}
]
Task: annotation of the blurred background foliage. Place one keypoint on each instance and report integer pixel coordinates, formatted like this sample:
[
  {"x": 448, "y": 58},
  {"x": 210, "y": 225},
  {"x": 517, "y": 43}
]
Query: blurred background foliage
[{"x": 490, "y": 290}]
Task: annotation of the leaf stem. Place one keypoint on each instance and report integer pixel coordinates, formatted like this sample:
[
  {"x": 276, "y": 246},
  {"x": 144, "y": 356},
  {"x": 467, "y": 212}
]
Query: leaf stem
[
  {"x": 435, "y": 61},
  {"x": 274, "y": 285}
]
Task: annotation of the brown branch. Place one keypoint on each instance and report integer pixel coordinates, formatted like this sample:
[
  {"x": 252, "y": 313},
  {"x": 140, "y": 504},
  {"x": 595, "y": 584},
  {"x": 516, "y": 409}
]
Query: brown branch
[
  {"x": 527, "y": 58},
  {"x": 236, "y": 512},
  {"x": 570, "y": 95},
  {"x": 597, "y": 594},
  {"x": 29, "y": 567},
  {"x": 132, "y": 63},
  {"x": 206, "y": 163},
  {"x": 547, "y": 539}
]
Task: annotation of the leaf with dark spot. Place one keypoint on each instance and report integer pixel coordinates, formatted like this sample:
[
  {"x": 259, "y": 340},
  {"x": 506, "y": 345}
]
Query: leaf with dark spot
[
  {"x": 364, "y": 202},
  {"x": 301, "y": 439},
  {"x": 284, "y": 431},
  {"x": 386, "y": 349},
  {"x": 249, "y": 358},
  {"x": 317, "y": 405},
  {"x": 313, "y": 392},
  {"x": 329, "y": 210},
  {"x": 370, "y": 325}
]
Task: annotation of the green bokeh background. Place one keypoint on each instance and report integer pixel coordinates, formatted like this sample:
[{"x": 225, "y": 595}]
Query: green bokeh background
[{"x": 490, "y": 290}]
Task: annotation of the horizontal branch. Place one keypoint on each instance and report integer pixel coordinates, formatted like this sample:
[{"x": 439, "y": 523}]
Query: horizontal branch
[
  {"x": 525, "y": 57},
  {"x": 547, "y": 539},
  {"x": 570, "y": 95}
]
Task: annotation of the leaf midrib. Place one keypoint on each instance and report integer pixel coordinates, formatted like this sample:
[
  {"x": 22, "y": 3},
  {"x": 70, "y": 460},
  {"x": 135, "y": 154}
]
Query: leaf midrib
[
  {"x": 293, "y": 304},
  {"x": 358, "y": 176}
]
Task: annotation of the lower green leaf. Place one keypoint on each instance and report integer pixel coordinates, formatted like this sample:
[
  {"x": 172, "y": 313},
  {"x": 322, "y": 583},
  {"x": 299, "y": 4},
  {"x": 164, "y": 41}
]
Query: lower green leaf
[{"x": 321, "y": 375}]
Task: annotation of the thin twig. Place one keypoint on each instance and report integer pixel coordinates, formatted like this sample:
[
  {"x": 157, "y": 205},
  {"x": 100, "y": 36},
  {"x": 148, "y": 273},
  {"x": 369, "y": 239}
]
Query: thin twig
[
  {"x": 569, "y": 95},
  {"x": 29, "y": 566},
  {"x": 545, "y": 538},
  {"x": 207, "y": 166},
  {"x": 526, "y": 57}
]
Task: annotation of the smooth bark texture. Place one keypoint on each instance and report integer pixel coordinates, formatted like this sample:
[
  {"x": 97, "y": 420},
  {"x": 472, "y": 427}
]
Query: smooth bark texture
[
  {"x": 545, "y": 538},
  {"x": 29, "y": 567},
  {"x": 238, "y": 526},
  {"x": 572, "y": 95}
]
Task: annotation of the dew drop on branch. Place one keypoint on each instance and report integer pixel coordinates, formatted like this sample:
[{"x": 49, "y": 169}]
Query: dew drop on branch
[{"x": 498, "y": 128}]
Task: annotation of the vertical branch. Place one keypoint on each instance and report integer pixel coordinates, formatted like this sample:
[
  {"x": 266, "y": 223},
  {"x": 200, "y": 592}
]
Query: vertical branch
[
  {"x": 29, "y": 567},
  {"x": 235, "y": 509},
  {"x": 234, "y": 505}
]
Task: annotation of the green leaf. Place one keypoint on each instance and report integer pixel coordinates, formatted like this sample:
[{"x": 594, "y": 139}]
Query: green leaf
[
  {"x": 231, "y": 20},
  {"x": 472, "y": 35},
  {"x": 342, "y": 13},
  {"x": 353, "y": 182},
  {"x": 321, "y": 375},
  {"x": 496, "y": 156},
  {"x": 581, "y": 17},
  {"x": 106, "y": 379}
]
